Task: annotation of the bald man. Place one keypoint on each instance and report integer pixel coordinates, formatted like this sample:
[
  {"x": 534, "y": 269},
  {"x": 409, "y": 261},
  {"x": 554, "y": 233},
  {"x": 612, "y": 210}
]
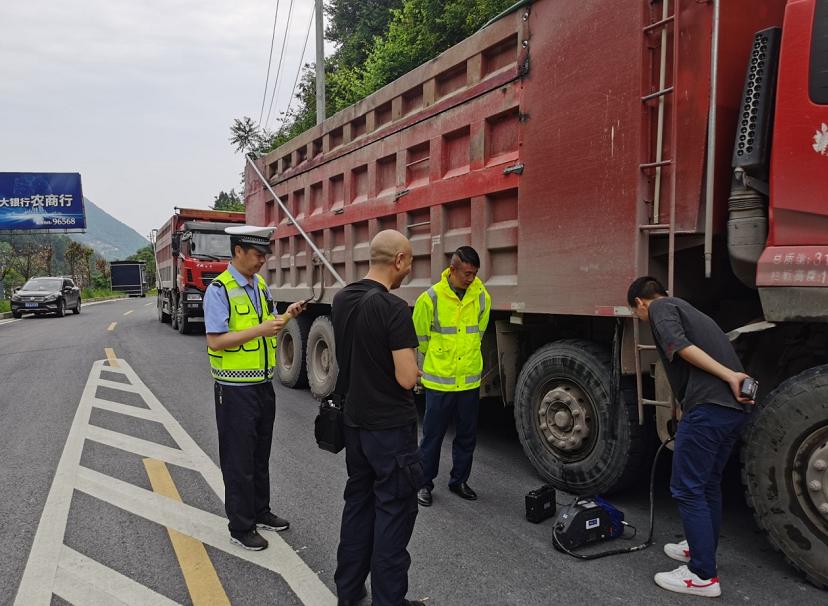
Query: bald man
[{"x": 375, "y": 349}]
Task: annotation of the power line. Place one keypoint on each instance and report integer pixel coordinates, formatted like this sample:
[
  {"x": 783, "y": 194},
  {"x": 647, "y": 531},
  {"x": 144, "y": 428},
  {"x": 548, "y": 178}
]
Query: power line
[
  {"x": 298, "y": 69},
  {"x": 269, "y": 61},
  {"x": 281, "y": 60}
]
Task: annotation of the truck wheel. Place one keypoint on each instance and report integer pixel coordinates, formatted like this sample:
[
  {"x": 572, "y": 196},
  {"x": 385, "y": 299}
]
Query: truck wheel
[
  {"x": 163, "y": 316},
  {"x": 568, "y": 427},
  {"x": 290, "y": 352},
  {"x": 785, "y": 471},
  {"x": 182, "y": 323},
  {"x": 321, "y": 358}
]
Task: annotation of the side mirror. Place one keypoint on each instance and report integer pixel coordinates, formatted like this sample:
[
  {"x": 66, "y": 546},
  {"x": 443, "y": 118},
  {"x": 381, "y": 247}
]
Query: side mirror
[{"x": 176, "y": 244}]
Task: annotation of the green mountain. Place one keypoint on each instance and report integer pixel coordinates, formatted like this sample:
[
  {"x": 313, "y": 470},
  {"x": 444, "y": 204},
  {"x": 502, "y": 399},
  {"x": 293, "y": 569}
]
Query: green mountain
[{"x": 109, "y": 237}]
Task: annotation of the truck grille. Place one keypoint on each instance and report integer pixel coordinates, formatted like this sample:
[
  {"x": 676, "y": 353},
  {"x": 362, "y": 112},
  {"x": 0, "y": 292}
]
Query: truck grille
[{"x": 209, "y": 276}]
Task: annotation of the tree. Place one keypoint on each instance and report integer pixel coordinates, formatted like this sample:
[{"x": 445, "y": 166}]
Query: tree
[{"x": 228, "y": 201}]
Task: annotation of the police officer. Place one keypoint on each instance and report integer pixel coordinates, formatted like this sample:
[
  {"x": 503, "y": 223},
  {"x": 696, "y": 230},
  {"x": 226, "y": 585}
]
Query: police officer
[
  {"x": 241, "y": 341},
  {"x": 450, "y": 319}
]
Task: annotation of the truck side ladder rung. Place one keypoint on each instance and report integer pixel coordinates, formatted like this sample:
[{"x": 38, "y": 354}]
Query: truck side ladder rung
[{"x": 658, "y": 93}]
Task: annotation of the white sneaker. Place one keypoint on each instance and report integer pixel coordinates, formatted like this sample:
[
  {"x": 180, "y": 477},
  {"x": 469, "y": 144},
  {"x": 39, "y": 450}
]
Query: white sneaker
[
  {"x": 681, "y": 580},
  {"x": 678, "y": 551}
]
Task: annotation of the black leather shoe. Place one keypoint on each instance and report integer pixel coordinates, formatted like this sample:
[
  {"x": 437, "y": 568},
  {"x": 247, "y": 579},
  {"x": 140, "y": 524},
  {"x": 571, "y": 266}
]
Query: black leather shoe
[
  {"x": 424, "y": 497},
  {"x": 413, "y": 603},
  {"x": 354, "y": 601},
  {"x": 464, "y": 491}
]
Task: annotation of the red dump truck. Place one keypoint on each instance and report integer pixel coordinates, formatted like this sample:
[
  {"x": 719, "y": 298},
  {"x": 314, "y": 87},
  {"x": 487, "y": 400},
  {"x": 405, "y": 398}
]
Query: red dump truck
[
  {"x": 577, "y": 144},
  {"x": 190, "y": 250}
]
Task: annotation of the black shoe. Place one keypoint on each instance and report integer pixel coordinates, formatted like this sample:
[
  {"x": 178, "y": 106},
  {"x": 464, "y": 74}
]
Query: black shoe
[
  {"x": 354, "y": 601},
  {"x": 413, "y": 603},
  {"x": 424, "y": 497},
  {"x": 251, "y": 540},
  {"x": 270, "y": 521},
  {"x": 464, "y": 490}
]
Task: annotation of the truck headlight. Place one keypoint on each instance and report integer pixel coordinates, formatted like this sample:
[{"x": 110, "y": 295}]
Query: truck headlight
[{"x": 194, "y": 297}]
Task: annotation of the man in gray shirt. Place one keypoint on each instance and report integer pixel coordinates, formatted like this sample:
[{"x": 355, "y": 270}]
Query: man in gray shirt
[{"x": 706, "y": 376}]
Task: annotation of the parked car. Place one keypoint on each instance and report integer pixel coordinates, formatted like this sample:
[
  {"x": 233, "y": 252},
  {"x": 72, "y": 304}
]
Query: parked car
[{"x": 46, "y": 295}]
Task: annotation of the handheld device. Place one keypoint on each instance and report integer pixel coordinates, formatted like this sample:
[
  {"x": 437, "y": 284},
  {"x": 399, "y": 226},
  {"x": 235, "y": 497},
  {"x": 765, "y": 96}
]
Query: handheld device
[{"x": 749, "y": 388}]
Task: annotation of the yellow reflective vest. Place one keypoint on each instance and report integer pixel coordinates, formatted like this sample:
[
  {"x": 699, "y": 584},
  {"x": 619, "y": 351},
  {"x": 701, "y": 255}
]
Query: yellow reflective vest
[
  {"x": 253, "y": 361},
  {"x": 450, "y": 332}
]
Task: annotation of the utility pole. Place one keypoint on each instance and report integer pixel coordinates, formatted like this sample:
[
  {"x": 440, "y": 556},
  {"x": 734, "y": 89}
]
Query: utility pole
[{"x": 320, "y": 64}]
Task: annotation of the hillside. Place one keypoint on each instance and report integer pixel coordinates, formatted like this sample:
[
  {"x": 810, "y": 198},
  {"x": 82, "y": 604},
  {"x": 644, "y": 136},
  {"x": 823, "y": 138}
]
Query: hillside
[{"x": 109, "y": 237}]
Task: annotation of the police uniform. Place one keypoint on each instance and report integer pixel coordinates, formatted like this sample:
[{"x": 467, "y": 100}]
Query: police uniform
[
  {"x": 450, "y": 330},
  {"x": 244, "y": 398}
]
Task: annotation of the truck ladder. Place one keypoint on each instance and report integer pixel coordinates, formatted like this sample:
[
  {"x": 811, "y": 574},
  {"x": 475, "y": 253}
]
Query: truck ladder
[{"x": 658, "y": 165}]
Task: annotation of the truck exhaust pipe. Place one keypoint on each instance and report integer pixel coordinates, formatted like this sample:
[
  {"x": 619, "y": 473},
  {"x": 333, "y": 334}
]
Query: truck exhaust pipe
[{"x": 747, "y": 225}]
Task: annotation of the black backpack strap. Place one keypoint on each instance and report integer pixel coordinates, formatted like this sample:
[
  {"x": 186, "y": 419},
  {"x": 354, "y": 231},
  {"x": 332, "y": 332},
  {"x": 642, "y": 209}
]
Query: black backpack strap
[{"x": 343, "y": 379}]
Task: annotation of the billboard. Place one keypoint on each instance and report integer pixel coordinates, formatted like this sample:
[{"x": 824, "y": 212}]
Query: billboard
[{"x": 41, "y": 202}]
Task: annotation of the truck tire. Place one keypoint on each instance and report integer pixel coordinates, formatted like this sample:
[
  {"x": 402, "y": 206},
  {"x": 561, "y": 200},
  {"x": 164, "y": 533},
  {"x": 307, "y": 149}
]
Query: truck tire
[
  {"x": 321, "y": 358},
  {"x": 182, "y": 323},
  {"x": 564, "y": 420},
  {"x": 163, "y": 316},
  {"x": 785, "y": 471},
  {"x": 290, "y": 353}
]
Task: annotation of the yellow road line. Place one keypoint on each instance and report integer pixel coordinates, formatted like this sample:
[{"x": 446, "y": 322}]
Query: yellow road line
[
  {"x": 129, "y": 312},
  {"x": 110, "y": 355},
  {"x": 202, "y": 581},
  {"x": 112, "y": 326}
]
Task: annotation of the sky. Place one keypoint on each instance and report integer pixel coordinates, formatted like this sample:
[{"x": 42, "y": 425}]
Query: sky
[{"x": 138, "y": 96}]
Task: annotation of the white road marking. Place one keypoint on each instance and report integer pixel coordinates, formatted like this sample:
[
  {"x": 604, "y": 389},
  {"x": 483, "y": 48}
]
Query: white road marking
[
  {"x": 54, "y": 568},
  {"x": 129, "y": 312}
]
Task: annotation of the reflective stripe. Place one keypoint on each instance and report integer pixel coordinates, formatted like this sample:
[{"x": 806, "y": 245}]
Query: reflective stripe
[
  {"x": 256, "y": 374},
  {"x": 482, "y": 301},
  {"x": 472, "y": 379},
  {"x": 422, "y": 339},
  {"x": 445, "y": 330},
  {"x": 236, "y": 292},
  {"x": 472, "y": 329},
  {"x": 440, "y": 380}
]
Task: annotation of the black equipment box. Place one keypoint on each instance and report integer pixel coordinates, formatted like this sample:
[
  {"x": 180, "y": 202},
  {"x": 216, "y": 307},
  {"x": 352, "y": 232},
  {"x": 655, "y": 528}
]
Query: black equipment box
[
  {"x": 587, "y": 521},
  {"x": 540, "y": 504}
]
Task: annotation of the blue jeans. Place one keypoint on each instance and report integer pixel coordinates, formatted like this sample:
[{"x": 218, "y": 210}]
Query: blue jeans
[
  {"x": 441, "y": 408},
  {"x": 704, "y": 440}
]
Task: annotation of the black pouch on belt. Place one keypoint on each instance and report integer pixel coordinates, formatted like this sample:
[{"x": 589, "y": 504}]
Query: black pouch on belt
[{"x": 328, "y": 427}]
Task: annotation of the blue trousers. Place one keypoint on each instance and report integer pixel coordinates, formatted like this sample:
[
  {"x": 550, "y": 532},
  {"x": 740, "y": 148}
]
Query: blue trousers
[
  {"x": 441, "y": 408},
  {"x": 384, "y": 474},
  {"x": 704, "y": 440},
  {"x": 244, "y": 417}
]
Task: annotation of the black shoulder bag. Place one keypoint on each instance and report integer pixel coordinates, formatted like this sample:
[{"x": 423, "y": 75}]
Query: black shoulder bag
[{"x": 328, "y": 428}]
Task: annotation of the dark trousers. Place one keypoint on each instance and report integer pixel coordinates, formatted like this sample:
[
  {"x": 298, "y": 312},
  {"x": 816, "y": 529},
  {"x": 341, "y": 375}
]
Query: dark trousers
[
  {"x": 244, "y": 416},
  {"x": 441, "y": 408},
  {"x": 704, "y": 440},
  {"x": 384, "y": 473}
]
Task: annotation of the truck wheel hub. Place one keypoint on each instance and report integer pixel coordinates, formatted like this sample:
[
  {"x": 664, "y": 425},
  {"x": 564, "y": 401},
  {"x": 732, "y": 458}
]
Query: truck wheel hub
[
  {"x": 811, "y": 473},
  {"x": 564, "y": 418}
]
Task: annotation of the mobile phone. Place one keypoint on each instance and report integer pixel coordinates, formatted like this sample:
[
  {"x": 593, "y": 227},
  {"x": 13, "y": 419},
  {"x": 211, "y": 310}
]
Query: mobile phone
[{"x": 749, "y": 388}]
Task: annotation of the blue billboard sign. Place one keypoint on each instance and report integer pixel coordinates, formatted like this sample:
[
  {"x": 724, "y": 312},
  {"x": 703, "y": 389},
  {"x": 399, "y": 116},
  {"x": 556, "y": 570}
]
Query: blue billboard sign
[{"x": 41, "y": 202}]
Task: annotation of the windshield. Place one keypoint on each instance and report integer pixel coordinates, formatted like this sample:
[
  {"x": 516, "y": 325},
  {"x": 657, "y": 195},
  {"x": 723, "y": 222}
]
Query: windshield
[
  {"x": 215, "y": 246},
  {"x": 43, "y": 285}
]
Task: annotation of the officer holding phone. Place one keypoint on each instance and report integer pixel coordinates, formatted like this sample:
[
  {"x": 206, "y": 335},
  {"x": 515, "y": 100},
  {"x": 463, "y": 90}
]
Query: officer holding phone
[{"x": 241, "y": 328}]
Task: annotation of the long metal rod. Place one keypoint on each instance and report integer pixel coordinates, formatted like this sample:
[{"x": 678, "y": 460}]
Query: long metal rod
[
  {"x": 290, "y": 216},
  {"x": 671, "y": 234},
  {"x": 320, "y": 63},
  {"x": 711, "y": 144}
]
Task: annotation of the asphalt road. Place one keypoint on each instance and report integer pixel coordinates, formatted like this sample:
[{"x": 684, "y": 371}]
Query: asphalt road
[{"x": 73, "y": 443}]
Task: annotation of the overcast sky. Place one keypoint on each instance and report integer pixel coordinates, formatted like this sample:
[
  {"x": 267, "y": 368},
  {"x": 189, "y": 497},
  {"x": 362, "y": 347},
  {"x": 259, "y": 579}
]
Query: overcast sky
[{"x": 139, "y": 96}]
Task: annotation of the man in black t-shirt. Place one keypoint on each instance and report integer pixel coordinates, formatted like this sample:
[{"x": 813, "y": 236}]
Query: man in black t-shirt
[
  {"x": 705, "y": 375},
  {"x": 375, "y": 345}
]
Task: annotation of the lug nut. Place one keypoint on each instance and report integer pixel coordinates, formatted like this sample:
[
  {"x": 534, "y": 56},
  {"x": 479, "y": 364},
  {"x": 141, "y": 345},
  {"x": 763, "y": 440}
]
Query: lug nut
[
  {"x": 815, "y": 485},
  {"x": 578, "y": 428},
  {"x": 820, "y": 465},
  {"x": 823, "y": 509}
]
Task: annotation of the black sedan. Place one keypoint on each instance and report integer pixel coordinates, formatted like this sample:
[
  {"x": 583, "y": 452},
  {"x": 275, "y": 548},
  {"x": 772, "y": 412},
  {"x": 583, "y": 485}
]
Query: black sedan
[{"x": 46, "y": 295}]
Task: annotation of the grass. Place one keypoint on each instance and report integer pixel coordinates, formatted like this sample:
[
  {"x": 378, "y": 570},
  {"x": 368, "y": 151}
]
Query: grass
[
  {"x": 99, "y": 293},
  {"x": 5, "y": 306}
]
